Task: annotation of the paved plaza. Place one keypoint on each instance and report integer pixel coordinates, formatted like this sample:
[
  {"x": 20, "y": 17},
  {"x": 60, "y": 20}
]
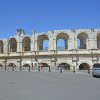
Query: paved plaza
[{"x": 25, "y": 85}]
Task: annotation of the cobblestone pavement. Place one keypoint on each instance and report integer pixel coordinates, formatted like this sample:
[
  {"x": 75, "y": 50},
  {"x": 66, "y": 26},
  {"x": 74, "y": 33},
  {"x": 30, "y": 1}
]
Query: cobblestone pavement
[{"x": 48, "y": 86}]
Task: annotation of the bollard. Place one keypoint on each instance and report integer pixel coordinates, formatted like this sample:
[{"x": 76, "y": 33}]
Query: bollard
[
  {"x": 60, "y": 69},
  {"x": 29, "y": 69},
  {"x": 49, "y": 69},
  {"x": 12, "y": 68},
  {"x": 73, "y": 69},
  {"x": 38, "y": 68},
  {"x": 20, "y": 68},
  {"x": 88, "y": 70}
]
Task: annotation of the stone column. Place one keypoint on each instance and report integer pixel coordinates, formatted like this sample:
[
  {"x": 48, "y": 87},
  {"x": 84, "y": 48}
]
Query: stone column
[
  {"x": 68, "y": 43},
  {"x": 54, "y": 42},
  {"x": 89, "y": 43},
  {"x": 34, "y": 41},
  {"x": 72, "y": 39},
  {"x": 5, "y": 46},
  {"x": 21, "y": 48},
  {"x": 51, "y": 42},
  {"x": 31, "y": 45},
  {"x": 94, "y": 43},
  {"x": 75, "y": 43},
  {"x": 19, "y": 44},
  {"x": 98, "y": 43}
]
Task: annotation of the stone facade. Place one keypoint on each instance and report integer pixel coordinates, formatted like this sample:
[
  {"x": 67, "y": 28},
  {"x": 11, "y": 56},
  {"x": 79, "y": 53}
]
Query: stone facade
[{"x": 23, "y": 52}]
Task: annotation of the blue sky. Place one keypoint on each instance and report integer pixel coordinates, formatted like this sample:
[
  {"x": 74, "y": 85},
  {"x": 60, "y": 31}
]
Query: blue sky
[{"x": 44, "y": 15}]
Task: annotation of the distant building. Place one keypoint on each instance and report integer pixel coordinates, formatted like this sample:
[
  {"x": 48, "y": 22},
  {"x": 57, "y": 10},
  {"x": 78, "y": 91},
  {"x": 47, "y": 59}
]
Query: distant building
[{"x": 23, "y": 52}]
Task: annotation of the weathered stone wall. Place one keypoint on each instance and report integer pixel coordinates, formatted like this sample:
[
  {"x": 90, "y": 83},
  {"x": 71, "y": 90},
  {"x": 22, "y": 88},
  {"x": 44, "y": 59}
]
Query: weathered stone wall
[{"x": 72, "y": 55}]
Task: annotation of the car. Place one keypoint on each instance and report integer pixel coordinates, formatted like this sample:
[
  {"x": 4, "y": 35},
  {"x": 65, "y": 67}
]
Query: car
[{"x": 96, "y": 70}]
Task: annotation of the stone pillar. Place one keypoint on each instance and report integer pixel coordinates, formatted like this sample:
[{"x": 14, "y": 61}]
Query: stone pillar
[
  {"x": 89, "y": 43},
  {"x": 54, "y": 42},
  {"x": 71, "y": 43},
  {"x": 34, "y": 41},
  {"x": 72, "y": 39},
  {"x": 95, "y": 43},
  {"x": 5, "y": 46},
  {"x": 68, "y": 44},
  {"x": 75, "y": 43},
  {"x": 31, "y": 45},
  {"x": 20, "y": 47},
  {"x": 19, "y": 44},
  {"x": 51, "y": 42},
  {"x": 98, "y": 43}
]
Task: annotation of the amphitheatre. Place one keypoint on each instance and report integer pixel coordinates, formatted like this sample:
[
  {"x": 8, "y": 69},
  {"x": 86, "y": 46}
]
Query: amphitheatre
[{"x": 80, "y": 50}]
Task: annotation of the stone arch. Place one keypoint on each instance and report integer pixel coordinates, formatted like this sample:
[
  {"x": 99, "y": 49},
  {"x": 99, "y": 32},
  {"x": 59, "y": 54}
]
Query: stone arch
[
  {"x": 65, "y": 66},
  {"x": 65, "y": 38},
  {"x": 45, "y": 64},
  {"x": 26, "y": 66},
  {"x": 84, "y": 66},
  {"x": 11, "y": 66},
  {"x": 41, "y": 40},
  {"x": 12, "y": 45},
  {"x": 82, "y": 40},
  {"x": 96, "y": 34},
  {"x": 26, "y": 44},
  {"x": 1, "y": 46},
  {"x": 1, "y": 65},
  {"x": 98, "y": 41}
]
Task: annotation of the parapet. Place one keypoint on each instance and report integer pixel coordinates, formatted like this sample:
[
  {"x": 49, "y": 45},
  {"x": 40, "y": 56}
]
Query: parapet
[{"x": 20, "y": 32}]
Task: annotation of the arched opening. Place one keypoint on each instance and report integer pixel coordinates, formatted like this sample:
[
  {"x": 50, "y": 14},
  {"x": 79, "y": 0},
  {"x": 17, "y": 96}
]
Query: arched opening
[
  {"x": 45, "y": 65},
  {"x": 78, "y": 43},
  {"x": 1, "y": 66},
  {"x": 26, "y": 44},
  {"x": 45, "y": 45},
  {"x": 41, "y": 66},
  {"x": 64, "y": 66},
  {"x": 98, "y": 41},
  {"x": 60, "y": 44},
  {"x": 1, "y": 46},
  {"x": 62, "y": 41},
  {"x": 26, "y": 67},
  {"x": 84, "y": 66},
  {"x": 12, "y": 45},
  {"x": 11, "y": 66},
  {"x": 43, "y": 42},
  {"x": 82, "y": 40}
]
